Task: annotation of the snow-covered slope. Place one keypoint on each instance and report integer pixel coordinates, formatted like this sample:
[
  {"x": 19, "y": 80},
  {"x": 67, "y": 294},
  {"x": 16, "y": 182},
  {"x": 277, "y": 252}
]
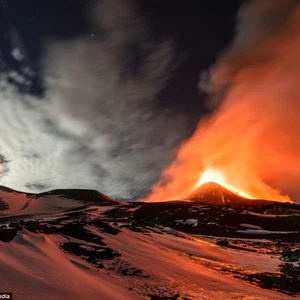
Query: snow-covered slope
[
  {"x": 34, "y": 266},
  {"x": 87, "y": 246},
  {"x": 12, "y": 201},
  {"x": 17, "y": 203}
]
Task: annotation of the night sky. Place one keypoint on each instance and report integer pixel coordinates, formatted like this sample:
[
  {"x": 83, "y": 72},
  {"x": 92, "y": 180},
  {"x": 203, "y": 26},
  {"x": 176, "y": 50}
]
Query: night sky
[
  {"x": 100, "y": 96},
  {"x": 199, "y": 29}
]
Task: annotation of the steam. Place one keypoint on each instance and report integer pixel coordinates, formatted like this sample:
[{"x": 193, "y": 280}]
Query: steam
[
  {"x": 253, "y": 136},
  {"x": 99, "y": 125}
]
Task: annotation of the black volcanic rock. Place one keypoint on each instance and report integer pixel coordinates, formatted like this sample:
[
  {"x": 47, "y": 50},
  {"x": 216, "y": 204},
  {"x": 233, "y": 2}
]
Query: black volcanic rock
[
  {"x": 7, "y": 234},
  {"x": 3, "y": 205},
  {"x": 223, "y": 243},
  {"x": 212, "y": 193},
  {"x": 215, "y": 194}
]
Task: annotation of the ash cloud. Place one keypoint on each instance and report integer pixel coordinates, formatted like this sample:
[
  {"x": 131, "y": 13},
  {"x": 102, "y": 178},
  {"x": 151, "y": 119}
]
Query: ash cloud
[
  {"x": 98, "y": 125},
  {"x": 255, "y": 81},
  {"x": 258, "y": 24},
  {"x": 252, "y": 135}
]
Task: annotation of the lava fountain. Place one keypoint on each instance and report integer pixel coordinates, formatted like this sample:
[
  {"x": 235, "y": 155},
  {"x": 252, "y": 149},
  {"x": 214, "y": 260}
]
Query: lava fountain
[
  {"x": 211, "y": 175},
  {"x": 250, "y": 143}
]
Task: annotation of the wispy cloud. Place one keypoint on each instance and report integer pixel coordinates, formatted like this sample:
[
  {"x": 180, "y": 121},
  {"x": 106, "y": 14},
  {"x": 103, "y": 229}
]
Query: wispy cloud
[{"x": 98, "y": 125}]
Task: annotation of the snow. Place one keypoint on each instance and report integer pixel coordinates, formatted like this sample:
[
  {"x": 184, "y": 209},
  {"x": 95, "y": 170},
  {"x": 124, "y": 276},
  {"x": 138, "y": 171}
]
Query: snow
[
  {"x": 262, "y": 215},
  {"x": 261, "y": 231},
  {"x": 201, "y": 207},
  {"x": 250, "y": 226},
  {"x": 192, "y": 222},
  {"x": 43, "y": 271},
  {"x": 271, "y": 215},
  {"x": 21, "y": 204},
  {"x": 173, "y": 261},
  {"x": 33, "y": 266},
  {"x": 15, "y": 201},
  {"x": 153, "y": 229},
  {"x": 187, "y": 264},
  {"x": 170, "y": 230},
  {"x": 50, "y": 204}
]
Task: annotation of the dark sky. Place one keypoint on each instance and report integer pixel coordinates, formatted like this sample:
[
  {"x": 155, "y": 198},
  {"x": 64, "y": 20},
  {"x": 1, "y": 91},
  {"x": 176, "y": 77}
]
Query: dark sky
[{"x": 199, "y": 30}]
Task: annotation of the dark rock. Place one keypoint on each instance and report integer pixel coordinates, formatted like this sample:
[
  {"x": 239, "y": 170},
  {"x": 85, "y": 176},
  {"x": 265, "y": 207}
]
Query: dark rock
[
  {"x": 7, "y": 234},
  {"x": 3, "y": 205},
  {"x": 106, "y": 227},
  {"x": 32, "y": 226},
  {"x": 76, "y": 230},
  {"x": 155, "y": 297},
  {"x": 90, "y": 254},
  {"x": 214, "y": 229},
  {"x": 291, "y": 255},
  {"x": 223, "y": 243}
]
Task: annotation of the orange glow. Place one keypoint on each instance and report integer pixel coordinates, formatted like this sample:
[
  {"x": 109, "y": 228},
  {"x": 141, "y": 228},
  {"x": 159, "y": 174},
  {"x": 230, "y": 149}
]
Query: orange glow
[
  {"x": 250, "y": 144},
  {"x": 211, "y": 175}
]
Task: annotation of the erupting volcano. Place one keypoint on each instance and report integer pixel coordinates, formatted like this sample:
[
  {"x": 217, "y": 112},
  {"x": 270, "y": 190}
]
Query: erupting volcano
[
  {"x": 249, "y": 141},
  {"x": 212, "y": 193},
  {"x": 211, "y": 175},
  {"x": 213, "y": 186},
  {"x": 215, "y": 194}
]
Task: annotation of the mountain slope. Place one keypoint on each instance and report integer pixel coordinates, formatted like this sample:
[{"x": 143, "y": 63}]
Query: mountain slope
[
  {"x": 18, "y": 203},
  {"x": 90, "y": 196},
  {"x": 214, "y": 194},
  {"x": 80, "y": 244}
]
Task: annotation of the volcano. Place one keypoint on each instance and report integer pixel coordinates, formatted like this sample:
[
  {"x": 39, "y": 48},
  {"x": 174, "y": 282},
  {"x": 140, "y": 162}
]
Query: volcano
[{"x": 214, "y": 194}]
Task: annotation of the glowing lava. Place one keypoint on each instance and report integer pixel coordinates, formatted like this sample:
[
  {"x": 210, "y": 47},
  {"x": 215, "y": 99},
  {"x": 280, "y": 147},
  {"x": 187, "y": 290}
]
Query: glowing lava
[
  {"x": 250, "y": 142},
  {"x": 213, "y": 175}
]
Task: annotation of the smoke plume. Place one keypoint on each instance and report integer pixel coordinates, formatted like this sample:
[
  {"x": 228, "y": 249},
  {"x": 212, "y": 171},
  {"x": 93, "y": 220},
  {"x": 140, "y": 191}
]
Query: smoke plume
[{"x": 253, "y": 135}]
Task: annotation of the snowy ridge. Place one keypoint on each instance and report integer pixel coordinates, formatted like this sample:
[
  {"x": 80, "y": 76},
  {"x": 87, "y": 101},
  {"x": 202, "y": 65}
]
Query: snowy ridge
[{"x": 84, "y": 245}]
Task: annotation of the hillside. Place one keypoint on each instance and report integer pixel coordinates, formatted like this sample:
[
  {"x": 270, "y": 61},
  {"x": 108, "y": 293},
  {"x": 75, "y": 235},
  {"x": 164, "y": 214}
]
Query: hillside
[
  {"x": 214, "y": 194},
  {"x": 81, "y": 244}
]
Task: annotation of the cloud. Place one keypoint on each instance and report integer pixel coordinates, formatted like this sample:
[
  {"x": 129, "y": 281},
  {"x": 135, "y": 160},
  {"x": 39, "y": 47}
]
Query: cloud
[
  {"x": 255, "y": 82},
  {"x": 98, "y": 125}
]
